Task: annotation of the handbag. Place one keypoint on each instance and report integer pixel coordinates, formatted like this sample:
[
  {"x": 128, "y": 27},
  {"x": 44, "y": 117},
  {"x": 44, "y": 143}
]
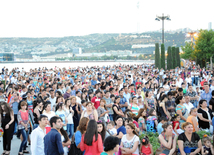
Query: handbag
[{"x": 73, "y": 148}]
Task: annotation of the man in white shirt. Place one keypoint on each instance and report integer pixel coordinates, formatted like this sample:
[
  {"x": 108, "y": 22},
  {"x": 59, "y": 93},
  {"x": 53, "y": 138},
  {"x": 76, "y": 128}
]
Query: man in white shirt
[
  {"x": 188, "y": 104},
  {"x": 37, "y": 137},
  {"x": 179, "y": 81},
  {"x": 52, "y": 99}
]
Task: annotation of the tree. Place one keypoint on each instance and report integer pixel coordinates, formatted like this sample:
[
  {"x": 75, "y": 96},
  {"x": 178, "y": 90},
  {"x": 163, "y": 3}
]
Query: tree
[
  {"x": 178, "y": 59},
  {"x": 169, "y": 58},
  {"x": 188, "y": 51},
  {"x": 162, "y": 56},
  {"x": 173, "y": 58},
  {"x": 140, "y": 57},
  {"x": 157, "y": 56},
  {"x": 204, "y": 46}
]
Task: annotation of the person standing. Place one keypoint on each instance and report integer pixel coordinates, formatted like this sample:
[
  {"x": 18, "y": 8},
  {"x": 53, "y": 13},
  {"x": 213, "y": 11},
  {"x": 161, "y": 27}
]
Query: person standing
[
  {"x": 6, "y": 122},
  {"x": 14, "y": 104},
  {"x": 52, "y": 141},
  {"x": 37, "y": 136},
  {"x": 23, "y": 126},
  {"x": 91, "y": 141}
]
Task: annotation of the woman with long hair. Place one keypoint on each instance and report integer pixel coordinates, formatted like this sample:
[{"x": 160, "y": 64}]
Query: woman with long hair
[
  {"x": 30, "y": 100},
  {"x": 102, "y": 111},
  {"x": 101, "y": 128},
  {"x": 47, "y": 112},
  {"x": 60, "y": 111},
  {"x": 23, "y": 126},
  {"x": 181, "y": 109},
  {"x": 150, "y": 100},
  {"x": 162, "y": 107},
  {"x": 130, "y": 141},
  {"x": 7, "y": 123},
  {"x": 116, "y": 108},
  {"x": 167, "y": 139},
  {"x": 91, "y": 141},
  {"x": 141, "y": 119},
  {"x": 37, "y": 111},
  {"x": 81, "y": 129},
  {"x": 65, "y": 139}
]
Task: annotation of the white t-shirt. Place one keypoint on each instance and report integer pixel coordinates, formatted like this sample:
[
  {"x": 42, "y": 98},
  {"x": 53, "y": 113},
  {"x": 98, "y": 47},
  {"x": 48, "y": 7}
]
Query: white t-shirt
[
  {"x": 112, "y": 131},
  {"x": 130, "y": 143},
  {"x": 188, "y": 80},
  {"x": 188, "y": 106},
  {"x": 49, "y": 116},
  {"x": 69, "y": 116}
]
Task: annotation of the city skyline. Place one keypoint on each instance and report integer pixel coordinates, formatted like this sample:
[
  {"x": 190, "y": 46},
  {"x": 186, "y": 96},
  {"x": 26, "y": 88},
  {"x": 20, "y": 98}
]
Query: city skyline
[{"x": 25, "y": 18}]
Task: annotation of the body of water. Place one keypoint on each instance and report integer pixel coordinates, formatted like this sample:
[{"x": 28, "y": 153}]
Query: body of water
[{"x": 32, "y": 65}]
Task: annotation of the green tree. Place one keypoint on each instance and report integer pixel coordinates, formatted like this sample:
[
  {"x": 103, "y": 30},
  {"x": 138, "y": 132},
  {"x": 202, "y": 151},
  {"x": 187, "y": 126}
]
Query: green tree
[
  {"x": 169, "y": 58},
  {"x": 173, "y": 58},
  {"x": 178, "y": 59},
  {"x": 157, "y": 56},
  {"x": 140, "y": 57},
  {"x": 188, "y": 51},
  {"x": 204, "y": 46},
  {"x": 163, "y": 56}
]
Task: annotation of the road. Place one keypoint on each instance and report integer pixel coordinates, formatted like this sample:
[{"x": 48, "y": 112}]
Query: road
[{"x": 15, "y": 144}]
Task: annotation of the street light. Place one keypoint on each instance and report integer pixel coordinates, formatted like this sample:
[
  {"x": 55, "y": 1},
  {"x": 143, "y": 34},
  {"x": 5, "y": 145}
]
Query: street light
[
  {"x": 158, "y": 18},
  {"x": 191, "y": 34}
]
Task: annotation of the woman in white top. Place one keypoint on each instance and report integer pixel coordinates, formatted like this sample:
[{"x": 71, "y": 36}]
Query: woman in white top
[
  {"x": 69, "y": 114},
  {"x": 47, "y": 112},
  {"x": 130, "y": 141}
]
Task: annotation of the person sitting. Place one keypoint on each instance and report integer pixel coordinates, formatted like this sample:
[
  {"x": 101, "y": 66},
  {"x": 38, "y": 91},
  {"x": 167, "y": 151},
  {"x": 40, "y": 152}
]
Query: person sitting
[
  {"x": 159, "y": 127},
  {"x": 189, "y": 141},
  {"x": 167, "y": 140}
]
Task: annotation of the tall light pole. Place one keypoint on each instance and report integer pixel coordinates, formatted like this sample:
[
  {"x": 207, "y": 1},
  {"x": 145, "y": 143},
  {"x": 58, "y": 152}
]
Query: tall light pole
[
  {"x": 158, "y": 18},
  {"x": 191, "y": 34}
]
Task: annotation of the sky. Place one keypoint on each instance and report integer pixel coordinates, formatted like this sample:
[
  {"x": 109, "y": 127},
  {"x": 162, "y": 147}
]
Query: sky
[{"x": 59, "y": 18}]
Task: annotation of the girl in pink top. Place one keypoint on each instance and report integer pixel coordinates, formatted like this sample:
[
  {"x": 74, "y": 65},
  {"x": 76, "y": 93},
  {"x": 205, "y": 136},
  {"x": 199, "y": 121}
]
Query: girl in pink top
[{"x": 91, "y": 141}]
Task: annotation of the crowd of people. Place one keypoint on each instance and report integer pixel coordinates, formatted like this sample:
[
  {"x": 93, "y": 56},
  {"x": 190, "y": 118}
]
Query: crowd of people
[{"x": 104, "y": 110}]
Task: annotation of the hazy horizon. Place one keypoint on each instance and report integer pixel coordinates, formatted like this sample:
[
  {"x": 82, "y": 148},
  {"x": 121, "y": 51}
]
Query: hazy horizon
[{"x": 54, "y": 19}]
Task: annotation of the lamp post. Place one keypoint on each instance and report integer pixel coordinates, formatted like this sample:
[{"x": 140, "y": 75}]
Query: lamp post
[
  {"x": 191, "y": 34},
  {"x": 158, "y": 18}
]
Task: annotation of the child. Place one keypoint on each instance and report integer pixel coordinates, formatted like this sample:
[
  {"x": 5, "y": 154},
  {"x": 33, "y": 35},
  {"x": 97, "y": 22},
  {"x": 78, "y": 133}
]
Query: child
[
  {"x": 111, "y": 129},
  {"x": 176, "y": 124},
  {"x": 162, "y": 121},
  {"x": 151, "y": 121},
  {"x": 207, "y": 149},
  {"x": 146, "y": 147}
]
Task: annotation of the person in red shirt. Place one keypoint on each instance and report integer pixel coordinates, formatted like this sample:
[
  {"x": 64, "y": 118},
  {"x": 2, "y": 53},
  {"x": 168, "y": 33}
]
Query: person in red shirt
[
  {"x": 202, "y": 82},
  {"x": 138, "y": 83},
  {"x": 91, "y": 141},
  {"x": 96, "y": 99}
]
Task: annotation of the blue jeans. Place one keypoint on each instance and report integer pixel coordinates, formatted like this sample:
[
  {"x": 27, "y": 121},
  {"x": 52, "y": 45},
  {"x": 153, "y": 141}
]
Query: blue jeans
[
  {"x": 35, "y": 126},
  {"x": 70, "y": 130},
  {"x": 111, "y": 117},
  {"x": 24, "y": 142},
  {"x": 193, "y": 80},
  {"x": 196, "y": 81}
]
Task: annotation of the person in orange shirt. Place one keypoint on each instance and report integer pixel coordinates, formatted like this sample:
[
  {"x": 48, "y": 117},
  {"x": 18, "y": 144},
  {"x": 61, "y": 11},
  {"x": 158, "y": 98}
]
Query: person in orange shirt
[{"x": 192, "y": 119}]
